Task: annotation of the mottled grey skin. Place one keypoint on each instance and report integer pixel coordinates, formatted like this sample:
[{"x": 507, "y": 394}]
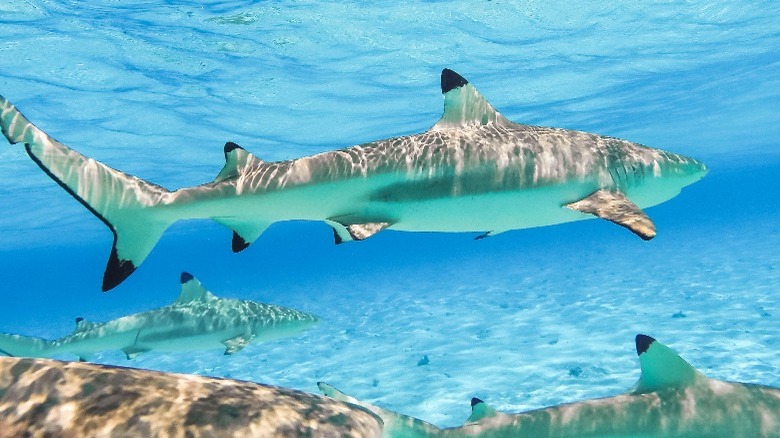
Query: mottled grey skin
[
  {"x": 196, "y": 320},
  {"x": 473, "y": 171},
  {"x": 671, "y": 400},
  {"x": 48, "y": 398}
]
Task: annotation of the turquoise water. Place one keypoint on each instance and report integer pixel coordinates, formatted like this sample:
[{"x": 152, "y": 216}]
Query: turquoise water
[{"x": 526, "y": 319}]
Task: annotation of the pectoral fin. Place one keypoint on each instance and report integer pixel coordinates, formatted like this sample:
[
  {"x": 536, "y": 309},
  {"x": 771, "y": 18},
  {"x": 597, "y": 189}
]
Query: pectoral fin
[
  {"x": 237, "y": 343},
  {"x": 344, "y": 232},
  {"x": 131, "y": 352},
  {"x": 615, "y": 207}
]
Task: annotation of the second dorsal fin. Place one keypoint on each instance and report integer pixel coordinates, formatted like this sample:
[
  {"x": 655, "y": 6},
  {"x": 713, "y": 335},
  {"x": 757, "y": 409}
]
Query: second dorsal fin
[
  {"x": 84, "y": 325},
  {"x": 463, "y": 104},
  {"x": 236, "y": 160}
]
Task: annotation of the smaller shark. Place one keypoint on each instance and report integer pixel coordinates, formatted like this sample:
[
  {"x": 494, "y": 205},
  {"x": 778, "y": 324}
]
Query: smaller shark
[
  {"x": 671, "y": 399},
  {"x": 196, "y": 320},
  {"x": 45, "y": 397}
]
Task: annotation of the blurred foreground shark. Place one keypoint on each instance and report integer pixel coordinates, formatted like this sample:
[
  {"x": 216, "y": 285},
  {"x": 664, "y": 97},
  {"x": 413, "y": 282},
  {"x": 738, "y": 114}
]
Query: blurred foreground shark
[
  {"x": 671, "y": 399},
  {"x": 196, "y": 320},
  {"x": 50, "y": 398},
  {"x": 473, "y": 171}
]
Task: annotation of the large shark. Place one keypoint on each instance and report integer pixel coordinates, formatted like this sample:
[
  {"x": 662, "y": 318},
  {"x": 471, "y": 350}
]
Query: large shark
[
  {"x": 671, "y": 399},
  {"x": 196, "y": 320},
  {"x": 473, "y": 171},
  {"x": 49, "y": 398}
]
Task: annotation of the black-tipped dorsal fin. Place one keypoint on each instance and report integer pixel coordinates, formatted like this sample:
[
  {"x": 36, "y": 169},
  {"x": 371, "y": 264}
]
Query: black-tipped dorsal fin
[
  {"x": 480, "y": 410},
  {"x": 192, "y": 290},
  {"x": 463, "y": 104},
  {"x": 662, "y": 367},
  {"x": 236, "y": 160}
]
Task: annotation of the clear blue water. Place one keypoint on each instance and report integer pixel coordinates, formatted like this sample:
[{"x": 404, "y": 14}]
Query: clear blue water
[{"x": 526, "y": 319}]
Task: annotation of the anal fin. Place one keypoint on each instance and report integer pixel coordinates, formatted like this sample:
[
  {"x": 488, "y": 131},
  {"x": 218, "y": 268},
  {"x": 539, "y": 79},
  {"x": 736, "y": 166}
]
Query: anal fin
[
  {"x": 615, "y": 207},
  {"x": 244, "y": 233}
]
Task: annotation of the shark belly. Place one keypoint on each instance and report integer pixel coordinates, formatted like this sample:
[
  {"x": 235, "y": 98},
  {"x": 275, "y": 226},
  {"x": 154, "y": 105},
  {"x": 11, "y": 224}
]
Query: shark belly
[
  {"x": 496, "y": 211},
  {"x": 172, "y": 341},
  {"x": 87, "y": 344}
]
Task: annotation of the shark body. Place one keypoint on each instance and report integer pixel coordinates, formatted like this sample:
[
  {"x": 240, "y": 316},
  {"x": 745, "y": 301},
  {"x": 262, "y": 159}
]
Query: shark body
[
  {"x": 473, "y": 171},
  {"x": 196, "y": 320},
  {"x": 671, "y": 399},
  {"x": 44, "y": 397}
]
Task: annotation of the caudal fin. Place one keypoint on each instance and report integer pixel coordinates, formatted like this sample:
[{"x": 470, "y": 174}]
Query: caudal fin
[
  {"x": 24, "y": 346},
  {"x": 123, "y": 202}
]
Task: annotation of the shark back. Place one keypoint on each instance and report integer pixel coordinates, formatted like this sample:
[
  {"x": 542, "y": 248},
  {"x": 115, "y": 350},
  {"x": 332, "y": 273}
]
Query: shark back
[{"x": 671, "y": 399}]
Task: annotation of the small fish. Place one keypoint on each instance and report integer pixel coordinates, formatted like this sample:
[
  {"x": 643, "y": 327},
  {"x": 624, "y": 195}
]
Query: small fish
[
  {"x": 671, "y": 399},
  {"x": 473, "y": 171},
  {"x": 196, "y": 320}
]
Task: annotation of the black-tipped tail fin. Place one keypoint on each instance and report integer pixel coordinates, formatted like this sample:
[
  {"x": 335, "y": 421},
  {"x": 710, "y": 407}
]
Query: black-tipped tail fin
[{"x": 125, "y": 203}]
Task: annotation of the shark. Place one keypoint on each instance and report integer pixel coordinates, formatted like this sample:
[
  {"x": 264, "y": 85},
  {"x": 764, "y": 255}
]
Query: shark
[
  {"x": 472, "y": 171},
  {"x": 45, "y": 397},
  {"x": 197, "y": 319},
  {"x": 671, "y": 399}
]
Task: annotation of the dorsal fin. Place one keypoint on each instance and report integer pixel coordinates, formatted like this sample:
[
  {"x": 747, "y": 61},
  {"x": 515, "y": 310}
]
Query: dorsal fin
[
  {"x": 83, "y": 325},
  {"x": 480, "y": 410},
  {"x": 192, "y": 290},
  {"x": 661, "y": 367},
  {"x": 236, "y": 160},
  {"x": 463, "y": 104}
]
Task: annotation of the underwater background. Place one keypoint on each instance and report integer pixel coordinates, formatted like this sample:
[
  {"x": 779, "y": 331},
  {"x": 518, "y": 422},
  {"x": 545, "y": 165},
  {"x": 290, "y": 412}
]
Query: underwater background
[{"x": 414, "y": 322}]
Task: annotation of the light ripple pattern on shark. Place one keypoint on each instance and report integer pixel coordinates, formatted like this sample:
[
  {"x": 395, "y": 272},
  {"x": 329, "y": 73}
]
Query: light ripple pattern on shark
[
  {"x": 196, "y": 320},
  {"x": 671, "y": 399},
  {"x": 473, "y": 171},
  {"x": 47, "y": 398}
]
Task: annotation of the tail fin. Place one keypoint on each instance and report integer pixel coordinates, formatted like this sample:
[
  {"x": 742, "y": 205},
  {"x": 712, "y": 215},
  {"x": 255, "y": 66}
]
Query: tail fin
[
  {"x": 120, "y": 200},
  {"x": 25, "y": 346}
]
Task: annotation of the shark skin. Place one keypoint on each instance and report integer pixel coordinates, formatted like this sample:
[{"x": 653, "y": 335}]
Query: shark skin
[
  {"x": 48, "y": 398},
  {"x": 671, "y": 399},
  {"x": 196, "y": 320},
  {"x": 473, "y": 171}
]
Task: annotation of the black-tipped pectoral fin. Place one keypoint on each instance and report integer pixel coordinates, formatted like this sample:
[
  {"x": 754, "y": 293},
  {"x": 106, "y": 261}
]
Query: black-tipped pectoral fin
[
  {"x": 340, "y": 233},
  {"x": 345, "y": 231},
  {"x": 615, "y": 207}
]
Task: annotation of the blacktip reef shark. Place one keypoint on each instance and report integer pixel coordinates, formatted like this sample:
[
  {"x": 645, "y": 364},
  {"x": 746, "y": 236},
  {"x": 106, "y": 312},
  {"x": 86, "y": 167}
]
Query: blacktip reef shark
[
  {"x": 196, "y": 320},
  {"x": 671, "y": 399},
  {"x": 473, "y": 171},
  {"x": 50, "y": 398}
]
